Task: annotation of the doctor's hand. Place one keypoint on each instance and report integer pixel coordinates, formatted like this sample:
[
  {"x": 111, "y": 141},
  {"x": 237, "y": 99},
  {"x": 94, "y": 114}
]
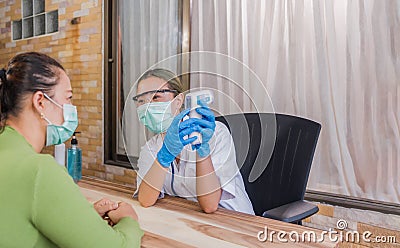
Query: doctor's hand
[
  {"x": 205, "y": 126},
  {"x": 173, "y": 141}
]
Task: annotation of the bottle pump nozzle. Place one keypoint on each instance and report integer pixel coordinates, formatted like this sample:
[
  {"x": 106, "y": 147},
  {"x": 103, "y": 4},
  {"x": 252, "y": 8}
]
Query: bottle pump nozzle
[{"x": 74, "y": 141}]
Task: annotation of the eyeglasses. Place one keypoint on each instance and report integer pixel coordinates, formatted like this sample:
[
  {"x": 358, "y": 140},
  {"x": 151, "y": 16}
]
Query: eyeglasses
[{"x": 152, "y": 96}]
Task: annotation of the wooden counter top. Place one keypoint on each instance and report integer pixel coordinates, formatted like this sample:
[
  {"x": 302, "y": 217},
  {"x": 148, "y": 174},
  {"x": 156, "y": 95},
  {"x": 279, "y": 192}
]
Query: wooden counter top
[{"x": 176, "y": 222}]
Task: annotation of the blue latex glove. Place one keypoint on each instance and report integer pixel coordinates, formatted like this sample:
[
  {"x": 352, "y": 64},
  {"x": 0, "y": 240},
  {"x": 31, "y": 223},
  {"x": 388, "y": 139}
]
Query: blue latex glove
[
  {"x": 205, "y": 126},
  {"x": 173, "y": 141}
]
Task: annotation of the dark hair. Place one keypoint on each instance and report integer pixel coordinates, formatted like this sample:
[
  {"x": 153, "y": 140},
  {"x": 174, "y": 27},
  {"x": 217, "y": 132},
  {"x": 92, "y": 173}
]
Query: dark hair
[
  {"x": 26, "y": 73},
  {"x": 173, "y": 82}
]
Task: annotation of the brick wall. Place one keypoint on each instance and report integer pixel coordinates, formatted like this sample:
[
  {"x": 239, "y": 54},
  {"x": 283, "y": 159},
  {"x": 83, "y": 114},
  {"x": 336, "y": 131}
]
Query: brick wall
[
  {"x": 378, "y": 224},
  {"x": 79, "y": 49}
]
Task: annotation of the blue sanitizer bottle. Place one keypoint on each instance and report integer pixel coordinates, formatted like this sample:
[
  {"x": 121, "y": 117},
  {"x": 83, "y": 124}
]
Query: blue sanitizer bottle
[{"x": 74, "y": 160}]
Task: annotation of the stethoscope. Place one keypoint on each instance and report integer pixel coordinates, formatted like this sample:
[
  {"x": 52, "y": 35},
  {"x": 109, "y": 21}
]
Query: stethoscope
[{"x": 172, "y": 178}]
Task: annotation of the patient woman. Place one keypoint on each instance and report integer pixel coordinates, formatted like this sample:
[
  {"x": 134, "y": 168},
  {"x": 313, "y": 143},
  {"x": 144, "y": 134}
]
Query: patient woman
[
  {"x": 40, "y": 206},
  {"x": 168, "y": 163}
]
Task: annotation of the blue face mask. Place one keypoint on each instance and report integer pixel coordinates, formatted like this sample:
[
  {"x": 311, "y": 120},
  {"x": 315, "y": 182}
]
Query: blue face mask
[
  {"x": 156, "y": 116},
  {"x": 59, "y": 134}
]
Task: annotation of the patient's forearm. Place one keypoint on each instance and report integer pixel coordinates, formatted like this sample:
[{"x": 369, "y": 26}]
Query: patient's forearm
[{"x": 151, "y": 185}]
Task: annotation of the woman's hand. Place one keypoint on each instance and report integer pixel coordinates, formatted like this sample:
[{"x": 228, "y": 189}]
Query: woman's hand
[
  {"x": 103, "y": 206},
  {"x": 205, "y": 126},
  {"x": 173, "y": 141},
  {"x": 124, "y": 210}
]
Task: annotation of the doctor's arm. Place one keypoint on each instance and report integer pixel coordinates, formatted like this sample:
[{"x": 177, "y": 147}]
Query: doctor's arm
[
  {"x": 208, "y": 187},
  {"x": 173, "y": 144},
  {"x": 151, "y": 185}
]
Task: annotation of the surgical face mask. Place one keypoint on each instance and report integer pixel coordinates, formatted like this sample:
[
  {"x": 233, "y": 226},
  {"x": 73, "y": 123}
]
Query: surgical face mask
[
  {"x": 59, "y": 134},
  {"x": 156, "y": 116}
]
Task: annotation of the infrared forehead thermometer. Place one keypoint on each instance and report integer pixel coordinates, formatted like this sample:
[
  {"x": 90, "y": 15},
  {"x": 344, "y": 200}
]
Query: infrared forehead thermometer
[{"x": 192, "y": 101}]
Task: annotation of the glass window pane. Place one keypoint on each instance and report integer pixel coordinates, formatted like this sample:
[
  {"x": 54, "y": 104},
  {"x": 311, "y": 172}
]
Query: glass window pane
[
  {"x": 38, "y": 6},
  {"x": 357, "y": 155},
  {"x": 39, "y": 25},
  {"x": 52, "y": 22},
  {"x": 148, "y": 33},
  {"x": 27, "y": 8},
  {"x": 17, "y": 30},
  {"x": 27, "y": 27}
]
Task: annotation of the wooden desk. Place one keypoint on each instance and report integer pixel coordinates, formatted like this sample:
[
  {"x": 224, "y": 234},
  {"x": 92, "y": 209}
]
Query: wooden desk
[{"x": 176, "y": 222}]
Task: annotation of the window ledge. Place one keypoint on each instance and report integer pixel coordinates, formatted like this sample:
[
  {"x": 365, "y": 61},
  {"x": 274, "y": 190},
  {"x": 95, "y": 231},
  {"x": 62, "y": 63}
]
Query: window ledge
[{"x": 353, "y": 202}]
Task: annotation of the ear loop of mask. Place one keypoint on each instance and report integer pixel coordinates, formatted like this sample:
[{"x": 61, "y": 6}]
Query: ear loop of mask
[
  {"x": 45, "y": 118},
  {"x": 51, "y": 100}
]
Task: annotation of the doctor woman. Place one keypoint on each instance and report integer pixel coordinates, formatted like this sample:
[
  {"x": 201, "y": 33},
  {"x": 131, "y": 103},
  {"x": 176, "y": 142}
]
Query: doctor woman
[
  {"x": 41, "y": 206},
  {"x": 169, "y": 164}
]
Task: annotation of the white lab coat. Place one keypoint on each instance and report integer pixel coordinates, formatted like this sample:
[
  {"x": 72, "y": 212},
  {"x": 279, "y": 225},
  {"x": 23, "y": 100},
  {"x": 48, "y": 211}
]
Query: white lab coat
[{"x": 234, "y": 196}]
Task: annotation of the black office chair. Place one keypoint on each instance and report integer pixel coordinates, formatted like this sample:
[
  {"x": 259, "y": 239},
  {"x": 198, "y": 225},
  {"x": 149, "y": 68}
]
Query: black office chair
[{"x": 277, "y": 184}]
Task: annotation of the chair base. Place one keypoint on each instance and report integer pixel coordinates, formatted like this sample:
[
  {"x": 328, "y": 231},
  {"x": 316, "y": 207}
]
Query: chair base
[{"x": 292, "y": 212}]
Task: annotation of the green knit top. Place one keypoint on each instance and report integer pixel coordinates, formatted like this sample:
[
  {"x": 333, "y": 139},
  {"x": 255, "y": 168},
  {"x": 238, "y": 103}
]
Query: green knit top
[{"x": 41, "y": 206}]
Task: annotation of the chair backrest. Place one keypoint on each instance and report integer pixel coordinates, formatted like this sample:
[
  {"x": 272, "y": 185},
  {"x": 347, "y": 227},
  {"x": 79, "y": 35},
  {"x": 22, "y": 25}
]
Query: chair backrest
[{"x": 282, "y": 144}]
